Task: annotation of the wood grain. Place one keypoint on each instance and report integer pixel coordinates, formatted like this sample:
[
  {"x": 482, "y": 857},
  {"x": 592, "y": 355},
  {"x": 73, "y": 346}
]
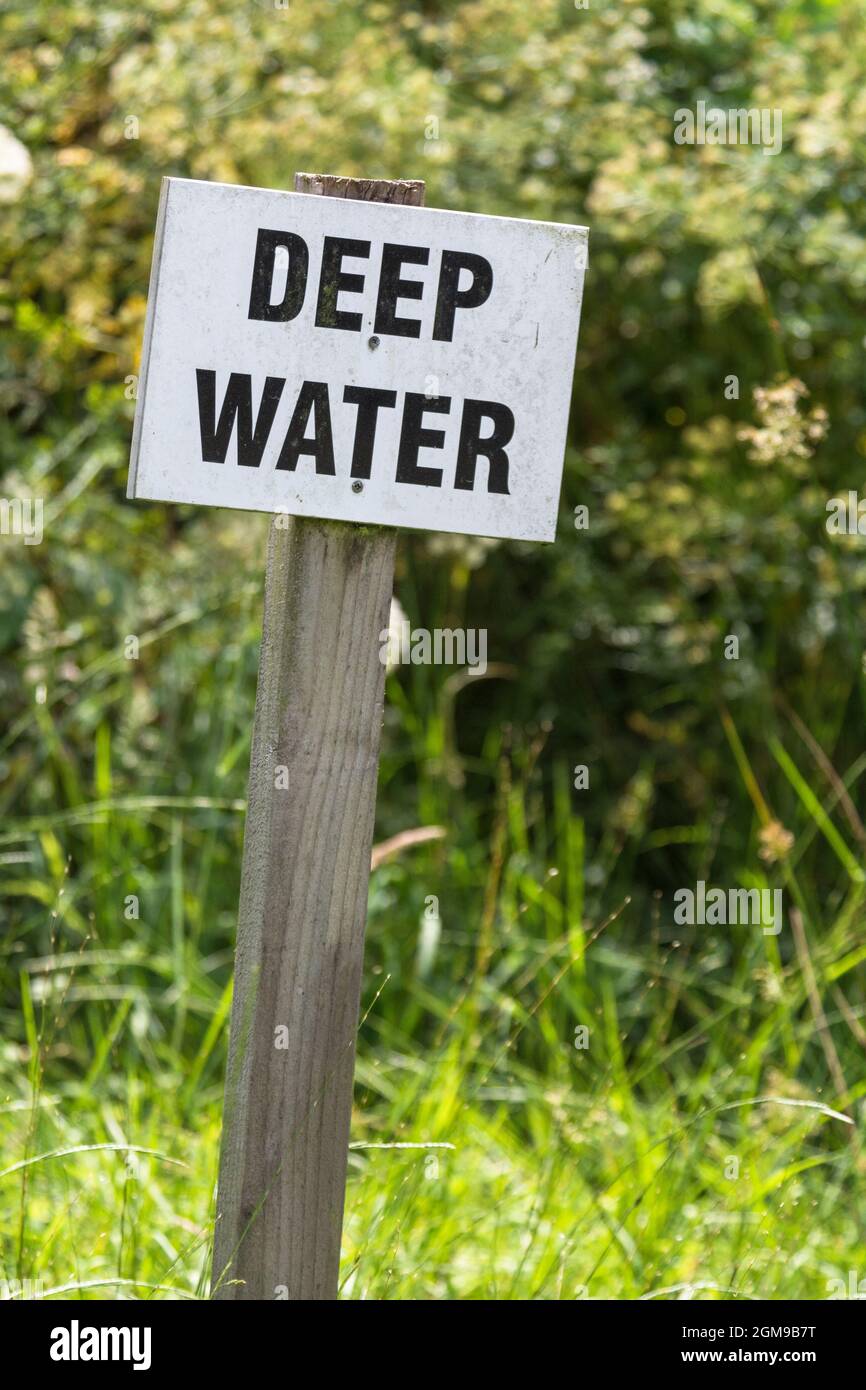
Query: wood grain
[
  {"x": 408, "y": 192},
  {"x": 304, "y": 887}
]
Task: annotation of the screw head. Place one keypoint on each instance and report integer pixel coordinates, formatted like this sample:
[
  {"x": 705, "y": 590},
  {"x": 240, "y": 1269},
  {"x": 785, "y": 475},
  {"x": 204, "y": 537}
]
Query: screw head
[
  {"x": 373, "y": 342},
  {"x": 357, "y": 486}
]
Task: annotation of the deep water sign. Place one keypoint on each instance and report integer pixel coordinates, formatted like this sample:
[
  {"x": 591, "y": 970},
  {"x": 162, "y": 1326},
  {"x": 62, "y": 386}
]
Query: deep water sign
[
  {"x": 339, "y": 353},
  {"x": 361, "y": 361}
]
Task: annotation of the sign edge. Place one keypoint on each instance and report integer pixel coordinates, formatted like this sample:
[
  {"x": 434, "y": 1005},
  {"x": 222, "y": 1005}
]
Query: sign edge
[{"x": 147, "y": 340}]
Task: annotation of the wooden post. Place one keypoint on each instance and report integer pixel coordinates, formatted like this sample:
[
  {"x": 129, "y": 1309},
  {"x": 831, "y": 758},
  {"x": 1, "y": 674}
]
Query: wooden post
[{"x": 303, "y": 902}]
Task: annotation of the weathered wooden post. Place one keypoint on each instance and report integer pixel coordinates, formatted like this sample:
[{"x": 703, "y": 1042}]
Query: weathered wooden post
[
  {"x": 303, "y": 908},
  {"x": 427, "y": 387}
]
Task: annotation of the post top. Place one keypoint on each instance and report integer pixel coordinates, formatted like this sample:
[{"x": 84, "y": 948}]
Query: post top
[{"x": 408, "y": 192}]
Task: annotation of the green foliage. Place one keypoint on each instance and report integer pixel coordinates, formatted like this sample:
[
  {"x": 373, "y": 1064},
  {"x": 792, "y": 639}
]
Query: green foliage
[{"x": 601, "y": 1170}]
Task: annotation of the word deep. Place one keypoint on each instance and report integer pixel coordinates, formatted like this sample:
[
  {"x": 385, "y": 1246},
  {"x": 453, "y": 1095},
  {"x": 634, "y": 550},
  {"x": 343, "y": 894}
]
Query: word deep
[
  {"x": 334, "y": 280},
  {"x": 486, "y": 427}
]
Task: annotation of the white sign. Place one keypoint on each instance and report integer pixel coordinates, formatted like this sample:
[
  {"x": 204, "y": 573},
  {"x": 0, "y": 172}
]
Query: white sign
[{"x": 362, "y": 361}]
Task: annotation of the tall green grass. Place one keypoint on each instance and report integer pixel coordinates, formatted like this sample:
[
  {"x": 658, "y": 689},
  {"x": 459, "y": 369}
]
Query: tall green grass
[{"x": 706, "y": 1142}]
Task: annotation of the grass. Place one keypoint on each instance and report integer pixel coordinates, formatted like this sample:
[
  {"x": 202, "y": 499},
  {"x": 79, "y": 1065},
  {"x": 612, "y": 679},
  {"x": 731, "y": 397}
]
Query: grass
[{"x": 702, "y": 1137}]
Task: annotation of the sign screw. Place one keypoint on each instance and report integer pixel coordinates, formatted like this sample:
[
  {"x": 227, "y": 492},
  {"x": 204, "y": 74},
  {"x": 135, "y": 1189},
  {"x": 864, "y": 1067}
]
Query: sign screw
[
  {"x": 373, "y": 342},
  {"x": 357, "y": 486}
]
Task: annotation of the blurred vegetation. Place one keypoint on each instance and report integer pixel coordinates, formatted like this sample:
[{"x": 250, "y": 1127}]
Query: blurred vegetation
[{"x": 599, "y": 1171}]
